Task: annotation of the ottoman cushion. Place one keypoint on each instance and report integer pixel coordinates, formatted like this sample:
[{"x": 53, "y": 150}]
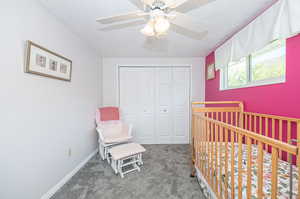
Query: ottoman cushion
[{"x": 126, "y": 150}]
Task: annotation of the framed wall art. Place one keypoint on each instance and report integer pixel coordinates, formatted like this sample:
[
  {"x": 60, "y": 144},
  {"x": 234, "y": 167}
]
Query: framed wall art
[
  {"x": 210, "y": 72},
  {"x": 41, "y": 61}
]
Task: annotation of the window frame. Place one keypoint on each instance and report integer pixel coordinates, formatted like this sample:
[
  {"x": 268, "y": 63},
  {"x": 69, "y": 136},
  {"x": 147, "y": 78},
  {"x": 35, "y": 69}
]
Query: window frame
[{"x": 250, "y": 82}]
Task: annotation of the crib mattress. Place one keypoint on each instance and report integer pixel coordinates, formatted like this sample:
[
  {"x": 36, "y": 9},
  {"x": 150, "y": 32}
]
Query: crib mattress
[{"x": 283, "y": 174}]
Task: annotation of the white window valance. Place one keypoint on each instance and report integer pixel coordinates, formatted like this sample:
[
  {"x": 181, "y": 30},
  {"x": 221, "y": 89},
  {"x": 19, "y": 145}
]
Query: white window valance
[{"x": 280, "y": 21}]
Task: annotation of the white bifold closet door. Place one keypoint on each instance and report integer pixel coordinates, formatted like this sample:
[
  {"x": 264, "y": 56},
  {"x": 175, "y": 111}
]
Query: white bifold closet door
[{"x": 156, "y": 101}]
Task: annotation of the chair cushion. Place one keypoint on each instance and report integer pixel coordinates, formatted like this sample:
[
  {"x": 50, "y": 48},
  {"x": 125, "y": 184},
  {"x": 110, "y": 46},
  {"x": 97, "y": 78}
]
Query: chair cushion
[
  {"x": 109, "y": 113},
  {"x": 126, "y": 150},
  {"x": 115, "y": 132},
  {"x": 111, "y": 129}
]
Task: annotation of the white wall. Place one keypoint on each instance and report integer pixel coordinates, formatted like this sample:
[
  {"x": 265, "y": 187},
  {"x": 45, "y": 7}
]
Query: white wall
[
  {"x": 41, "y": 118},
  {"x": 110, "y": 75}
]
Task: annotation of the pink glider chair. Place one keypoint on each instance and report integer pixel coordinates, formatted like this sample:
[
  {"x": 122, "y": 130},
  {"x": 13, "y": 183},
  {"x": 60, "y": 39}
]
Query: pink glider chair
[{"x": 112, "y": 131}]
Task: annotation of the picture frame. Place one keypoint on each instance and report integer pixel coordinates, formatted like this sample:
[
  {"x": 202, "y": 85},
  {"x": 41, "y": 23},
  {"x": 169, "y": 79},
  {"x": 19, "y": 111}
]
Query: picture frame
[
  {"x": 44, "y": 62},
  {"x": 210, "y": 72}
]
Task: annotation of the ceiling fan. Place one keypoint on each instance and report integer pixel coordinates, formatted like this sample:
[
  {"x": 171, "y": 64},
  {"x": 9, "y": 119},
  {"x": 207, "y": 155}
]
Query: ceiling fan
[{"x": 160, "y": 16}]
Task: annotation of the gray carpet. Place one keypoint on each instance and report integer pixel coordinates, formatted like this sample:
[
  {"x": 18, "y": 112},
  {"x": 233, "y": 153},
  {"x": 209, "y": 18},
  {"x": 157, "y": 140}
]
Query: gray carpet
[{"x": 165, "y": 174}]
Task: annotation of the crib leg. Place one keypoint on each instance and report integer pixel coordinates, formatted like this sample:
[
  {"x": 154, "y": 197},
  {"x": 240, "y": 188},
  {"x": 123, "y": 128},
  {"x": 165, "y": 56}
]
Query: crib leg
[{"x": 193, "y": 170}]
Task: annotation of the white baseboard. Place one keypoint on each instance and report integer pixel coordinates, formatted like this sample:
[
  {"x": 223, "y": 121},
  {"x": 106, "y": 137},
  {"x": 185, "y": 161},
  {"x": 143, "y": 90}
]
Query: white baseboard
[{"x": 63, "y": 181}]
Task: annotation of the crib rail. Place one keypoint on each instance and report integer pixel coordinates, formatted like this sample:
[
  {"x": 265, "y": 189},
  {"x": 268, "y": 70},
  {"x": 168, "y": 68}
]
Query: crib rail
[
  {"x": 278, "y": 127},
  {"x": 219, "y": 136}
]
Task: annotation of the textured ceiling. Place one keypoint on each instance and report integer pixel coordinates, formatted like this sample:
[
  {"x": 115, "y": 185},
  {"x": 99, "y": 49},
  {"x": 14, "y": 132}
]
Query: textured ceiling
[{"x": 220, "y": 18}]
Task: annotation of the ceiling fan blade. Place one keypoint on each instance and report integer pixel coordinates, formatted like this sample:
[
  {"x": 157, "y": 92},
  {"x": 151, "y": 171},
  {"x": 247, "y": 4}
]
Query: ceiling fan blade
[
  {"x": 193, "y": 4},
  {"x": 138, "y": 3},
  {"x": 174, "y": 4},
  {"x": 187, "y": 22},
  {"x": 168, "y": 1},
  {"x": 148, "y": 2},
  {"x": 122, "y": 17},
  {"x": 122, "y": 26},
  {"x": 188, "y": 33}
]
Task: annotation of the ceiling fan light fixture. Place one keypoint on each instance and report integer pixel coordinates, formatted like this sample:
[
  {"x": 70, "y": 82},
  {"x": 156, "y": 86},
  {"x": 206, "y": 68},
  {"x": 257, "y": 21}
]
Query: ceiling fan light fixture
[
  {"x": 162, "y": 17},
  {"x": 161, "y": 25},
  {"x": 148, "y": 30}
]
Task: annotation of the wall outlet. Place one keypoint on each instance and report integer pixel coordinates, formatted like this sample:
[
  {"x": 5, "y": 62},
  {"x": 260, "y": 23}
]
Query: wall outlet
[{"x": 70, "y": 152}]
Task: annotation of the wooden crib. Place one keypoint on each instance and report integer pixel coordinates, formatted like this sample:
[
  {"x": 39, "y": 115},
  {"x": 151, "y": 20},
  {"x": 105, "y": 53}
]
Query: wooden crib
[{"x": 265, "y": 151}]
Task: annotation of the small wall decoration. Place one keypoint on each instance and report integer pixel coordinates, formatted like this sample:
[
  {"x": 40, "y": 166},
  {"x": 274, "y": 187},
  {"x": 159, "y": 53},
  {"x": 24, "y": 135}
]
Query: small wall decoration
[
  {"x": 211, "y": 71},
  {"x": 41, "y": 61}
]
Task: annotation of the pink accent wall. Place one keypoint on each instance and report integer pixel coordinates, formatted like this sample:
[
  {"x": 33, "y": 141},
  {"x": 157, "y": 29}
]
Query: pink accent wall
[{"x": 278, "y": 99}]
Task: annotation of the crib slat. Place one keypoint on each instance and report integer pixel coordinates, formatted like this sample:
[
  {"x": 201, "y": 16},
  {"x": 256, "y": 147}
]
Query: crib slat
[
  {"x": 232, "y": 163},
  {"x": 211, "y": 155},
  {"x": 260, "y": 125},
  {"x": 298, "y": 156},
  {"x": 289, "y": 135},
  {"x": 241, "y": 118},
  {"x": 260, "y": 170},
  {"x": 195, "y": 142},
  {"x": 216, "y": 157},
  {"x": 274, "y": 172},
  {"x": 255, "y": 129},
  {"x": 204, "y": 146},
  {"x": 226, "y": 163},
  {"x": 255, "y": 124},
  {"x": 206, "y": 140},
  {"x": 249, "y": 167},
  {"x": 217, "y": 146},
  {"x": 240, "y": 180},
  {"x": 198, "y": 141},
  {"x": 226, "y": 118},
  {"x": 280, "y": 137},
  {"x": 273, "y": 128},
  {"x": 250, "y": 122},
  {"x": 237, "y": 125},
  {"x": 226, "y": 156},
  {"x": 207, "y": 149},
  {"x": 266, "y": 130},
  {"x": 222, "y": 115},
  {"x": 220, "y": 159},
  {"x": 201, "y": 143},
  {"x": 198, "y": 155},
  {"x": 246, "y": 121}
]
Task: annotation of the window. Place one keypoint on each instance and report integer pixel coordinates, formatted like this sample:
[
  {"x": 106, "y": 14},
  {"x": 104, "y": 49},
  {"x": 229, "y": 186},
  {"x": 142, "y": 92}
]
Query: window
[
  {"x": 265, "y": 66},
  {"x": 237, "y": 73}
]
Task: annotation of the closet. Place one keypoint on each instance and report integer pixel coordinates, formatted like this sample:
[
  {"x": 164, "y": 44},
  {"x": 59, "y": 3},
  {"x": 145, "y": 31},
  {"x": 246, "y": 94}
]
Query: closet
[{"x": 156, "y": 100}]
